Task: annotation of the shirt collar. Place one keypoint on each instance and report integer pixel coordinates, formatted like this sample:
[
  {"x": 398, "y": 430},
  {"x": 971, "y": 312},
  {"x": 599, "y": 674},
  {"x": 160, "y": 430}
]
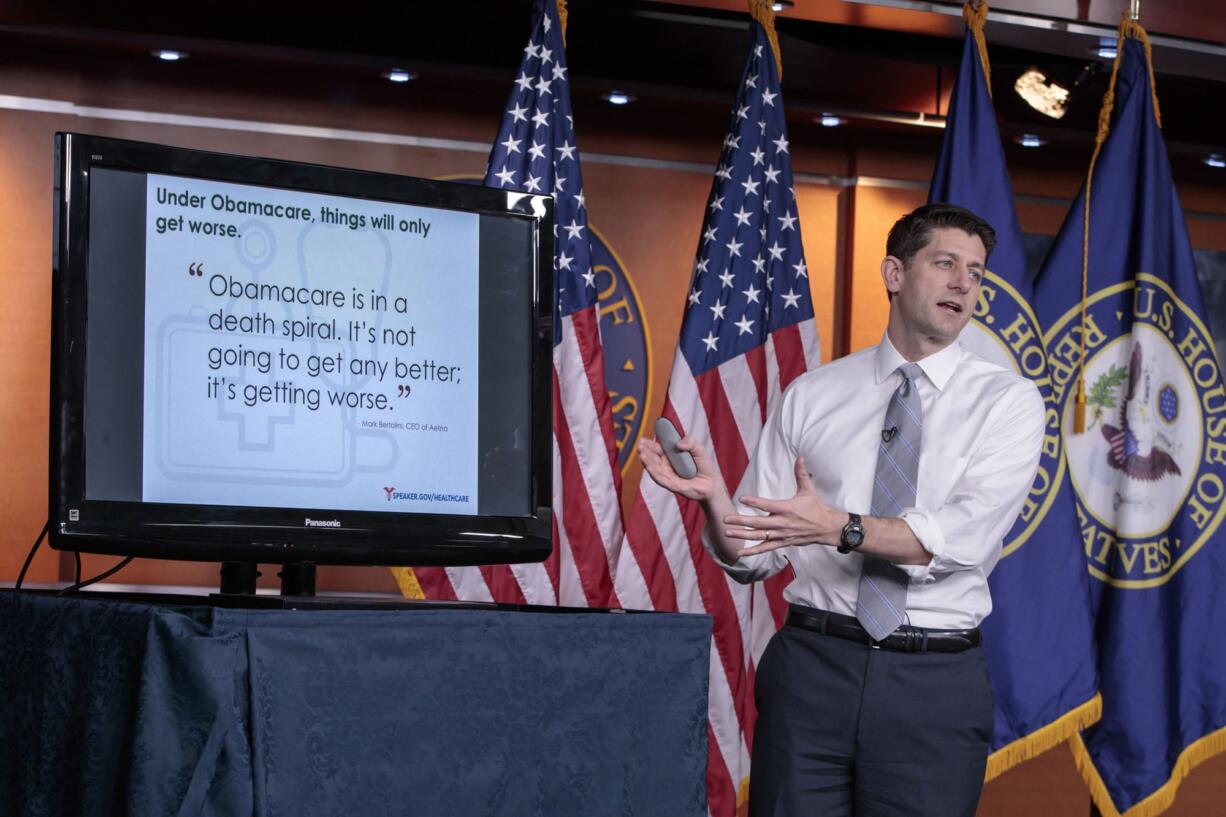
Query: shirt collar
[{"x": 938, "y": 367}]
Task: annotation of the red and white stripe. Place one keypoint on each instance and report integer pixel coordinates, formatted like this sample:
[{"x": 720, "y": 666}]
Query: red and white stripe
[
  {"x": 665, "y": 567},
  {"x": 586, "y": 494}
]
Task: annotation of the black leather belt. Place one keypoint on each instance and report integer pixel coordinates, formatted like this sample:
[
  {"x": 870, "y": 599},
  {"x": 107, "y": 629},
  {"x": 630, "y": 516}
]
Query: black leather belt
[{"x": 904, "y": 639}]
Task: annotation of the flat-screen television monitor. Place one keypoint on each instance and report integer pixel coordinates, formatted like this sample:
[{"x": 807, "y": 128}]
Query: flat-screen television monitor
[{"x": 268, "y": 361}]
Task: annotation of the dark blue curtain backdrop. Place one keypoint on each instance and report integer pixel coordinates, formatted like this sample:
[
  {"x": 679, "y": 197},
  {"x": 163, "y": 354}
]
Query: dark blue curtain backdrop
[{"x": 120, "y": 708}]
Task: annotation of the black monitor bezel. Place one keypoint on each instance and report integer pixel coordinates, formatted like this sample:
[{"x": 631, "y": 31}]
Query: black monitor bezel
[{"x": 275, "y": 535}]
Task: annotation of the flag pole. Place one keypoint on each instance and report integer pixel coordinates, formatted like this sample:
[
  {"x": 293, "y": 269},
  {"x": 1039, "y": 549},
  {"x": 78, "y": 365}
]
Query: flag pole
[{"x": 1129, "y": 27}]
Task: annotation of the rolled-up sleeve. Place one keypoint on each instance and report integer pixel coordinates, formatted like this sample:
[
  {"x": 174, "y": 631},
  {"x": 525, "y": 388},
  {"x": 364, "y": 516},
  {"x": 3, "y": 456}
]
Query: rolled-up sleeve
[{"x": 966, "y": 531}]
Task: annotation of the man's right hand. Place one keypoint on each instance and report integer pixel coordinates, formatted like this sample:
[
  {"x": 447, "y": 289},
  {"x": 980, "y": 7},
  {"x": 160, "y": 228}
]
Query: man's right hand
[
  {"x": 707, "y": 487},
  {"x": 704, "y": 487}
]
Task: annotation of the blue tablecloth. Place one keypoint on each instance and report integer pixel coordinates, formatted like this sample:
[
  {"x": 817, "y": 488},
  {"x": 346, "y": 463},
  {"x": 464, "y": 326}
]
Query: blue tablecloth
[{"x": 129, "y": 708}]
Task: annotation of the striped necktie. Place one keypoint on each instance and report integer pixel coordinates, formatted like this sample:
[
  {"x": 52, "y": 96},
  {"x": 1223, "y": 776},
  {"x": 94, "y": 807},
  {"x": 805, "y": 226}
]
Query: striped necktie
[{"x": 882, "y": 601}]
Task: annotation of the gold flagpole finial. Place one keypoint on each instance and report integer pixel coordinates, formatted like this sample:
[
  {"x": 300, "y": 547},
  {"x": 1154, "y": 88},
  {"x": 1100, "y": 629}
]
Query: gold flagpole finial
[
  {"x": 764, "y": 13},
  {"x": 975, "y": 15}
]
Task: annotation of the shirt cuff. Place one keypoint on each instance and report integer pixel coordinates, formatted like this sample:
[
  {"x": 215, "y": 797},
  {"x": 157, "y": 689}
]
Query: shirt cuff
[
  {"x": 747, "y": 568},
  {"x": 928, "y": 532}
]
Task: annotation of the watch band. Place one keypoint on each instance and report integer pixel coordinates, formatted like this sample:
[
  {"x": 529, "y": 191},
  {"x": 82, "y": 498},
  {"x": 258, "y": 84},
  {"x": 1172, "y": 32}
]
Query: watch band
[{"x": 852, "y": 535}]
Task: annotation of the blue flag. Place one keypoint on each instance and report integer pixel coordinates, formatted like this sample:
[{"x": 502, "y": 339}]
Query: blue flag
[
  {"x": 1039, "y": 640},
  {"x": 1149, "y": 470}
]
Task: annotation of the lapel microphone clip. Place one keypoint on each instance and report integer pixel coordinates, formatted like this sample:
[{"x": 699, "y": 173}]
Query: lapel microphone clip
[{"x": 887, "y": 434}]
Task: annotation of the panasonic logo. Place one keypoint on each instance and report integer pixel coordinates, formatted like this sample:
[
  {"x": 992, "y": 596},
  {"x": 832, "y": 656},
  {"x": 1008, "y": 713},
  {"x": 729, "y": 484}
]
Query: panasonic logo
[{"x": 323, "y": 523}]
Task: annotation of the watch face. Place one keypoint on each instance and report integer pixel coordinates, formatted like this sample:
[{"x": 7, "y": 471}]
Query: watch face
[{"x": 853, "y": 537}]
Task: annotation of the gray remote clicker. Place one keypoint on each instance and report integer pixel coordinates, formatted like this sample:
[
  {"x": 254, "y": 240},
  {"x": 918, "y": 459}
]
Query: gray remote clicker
[{"x": 682, "y": 461}]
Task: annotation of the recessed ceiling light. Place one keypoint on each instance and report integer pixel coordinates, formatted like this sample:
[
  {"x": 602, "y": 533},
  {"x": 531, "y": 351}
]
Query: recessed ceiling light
[
  {"x": 1047, "y": 97},
  {"x": 1215, "y": 160},
  {"x": 169, "y": 55},
  {"x": 782, "y": 5},
  {"x": 399, "y": 75},
  {"x": 829, "y": 120},
  {"x": 618, "y": 98},
  {"x": 1030, "y": 140}
]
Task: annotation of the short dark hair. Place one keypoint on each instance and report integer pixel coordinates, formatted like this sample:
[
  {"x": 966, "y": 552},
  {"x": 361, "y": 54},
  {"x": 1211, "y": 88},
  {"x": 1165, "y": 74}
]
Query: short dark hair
[{"x": 913, "y": 232}]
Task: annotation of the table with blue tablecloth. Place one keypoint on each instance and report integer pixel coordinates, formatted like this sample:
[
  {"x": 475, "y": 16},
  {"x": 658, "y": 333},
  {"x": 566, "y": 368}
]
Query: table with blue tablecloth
[{"x": 182, "y": 708}]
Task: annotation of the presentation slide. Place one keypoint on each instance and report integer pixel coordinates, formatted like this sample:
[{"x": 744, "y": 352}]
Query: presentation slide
[{"x": 308, "y": 351}]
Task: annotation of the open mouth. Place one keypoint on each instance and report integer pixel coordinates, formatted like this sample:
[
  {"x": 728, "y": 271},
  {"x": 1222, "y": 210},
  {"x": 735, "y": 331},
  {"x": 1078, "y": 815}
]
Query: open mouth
[{"x": 951, "y": 306}]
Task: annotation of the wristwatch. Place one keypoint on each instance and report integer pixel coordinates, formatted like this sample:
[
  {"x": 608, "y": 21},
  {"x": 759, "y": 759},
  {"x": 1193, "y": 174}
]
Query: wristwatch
[{"x": 853, "y": 534}]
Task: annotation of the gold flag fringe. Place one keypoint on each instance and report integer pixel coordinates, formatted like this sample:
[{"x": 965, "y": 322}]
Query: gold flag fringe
[
  {"x": 406, "y": 580},
  {"x": 975, "y": 16},
  {"x": 1039, "y": 741},
  {"x": 562, "y": 18},
  {"x": 742, "y": 799},
  {"x": 1195, "y": 754},
  {"x": 1128, "y": 28},
  {"x": 761, "y": 11}
]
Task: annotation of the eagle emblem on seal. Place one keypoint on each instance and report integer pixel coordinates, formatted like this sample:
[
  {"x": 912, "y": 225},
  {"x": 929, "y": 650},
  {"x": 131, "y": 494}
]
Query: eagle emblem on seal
[{"x": 1133, "y": 449}]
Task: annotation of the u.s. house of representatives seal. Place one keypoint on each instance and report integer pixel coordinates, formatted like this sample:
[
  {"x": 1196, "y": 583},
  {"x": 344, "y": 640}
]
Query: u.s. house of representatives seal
[
  {"x": 626, "y": 344},
  {"x": 1149, "y": 471},
  {"x": 1005, "y": 331}
]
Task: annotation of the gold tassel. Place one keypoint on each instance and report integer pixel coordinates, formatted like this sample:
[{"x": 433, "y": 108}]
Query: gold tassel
[
  {"x": 407, "y": 581},
  {"x": 1127, "y": 28},
  {"x": 562, "y": 18},
  {"x": 975, "y": 16},
  {"x": 761, "y": 11}
]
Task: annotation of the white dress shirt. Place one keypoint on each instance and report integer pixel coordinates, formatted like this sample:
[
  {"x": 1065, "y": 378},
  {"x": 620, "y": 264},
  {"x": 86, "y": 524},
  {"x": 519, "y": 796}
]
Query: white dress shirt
[{"x": 982, "y": 432}]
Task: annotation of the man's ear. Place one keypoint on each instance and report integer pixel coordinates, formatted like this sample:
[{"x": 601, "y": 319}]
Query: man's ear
[{"x": 891, "y": 274}]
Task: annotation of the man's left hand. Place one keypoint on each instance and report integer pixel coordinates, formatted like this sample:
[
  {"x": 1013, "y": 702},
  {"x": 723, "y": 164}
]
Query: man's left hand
[{"x": 802, "y": 520}]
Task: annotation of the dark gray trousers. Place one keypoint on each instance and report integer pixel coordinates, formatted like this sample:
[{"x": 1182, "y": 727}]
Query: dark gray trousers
[{"x": 844, "y": 729}]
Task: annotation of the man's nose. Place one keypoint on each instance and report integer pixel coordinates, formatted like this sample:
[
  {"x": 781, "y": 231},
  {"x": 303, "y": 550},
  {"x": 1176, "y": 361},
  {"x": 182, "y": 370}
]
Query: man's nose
[{"x": 961, "y": 280}]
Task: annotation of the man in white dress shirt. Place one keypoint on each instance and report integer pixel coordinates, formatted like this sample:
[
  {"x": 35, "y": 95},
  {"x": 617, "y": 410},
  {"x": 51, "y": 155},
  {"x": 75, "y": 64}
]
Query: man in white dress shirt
[{"x": 874, "y": 699}]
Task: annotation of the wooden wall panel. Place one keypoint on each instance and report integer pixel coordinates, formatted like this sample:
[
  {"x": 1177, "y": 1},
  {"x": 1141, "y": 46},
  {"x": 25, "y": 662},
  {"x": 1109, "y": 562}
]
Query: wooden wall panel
[
  {"x": 876, "y": 210},
  {"x": 25, "y": 337}
]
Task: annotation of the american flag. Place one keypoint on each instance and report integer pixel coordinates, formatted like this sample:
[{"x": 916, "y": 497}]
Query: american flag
[
  {"x": 748, "y": 331},
  {"x": 535, "y": 152}
]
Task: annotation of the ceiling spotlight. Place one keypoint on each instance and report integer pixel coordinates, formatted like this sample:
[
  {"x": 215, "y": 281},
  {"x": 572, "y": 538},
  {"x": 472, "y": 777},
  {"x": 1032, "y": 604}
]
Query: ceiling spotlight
[
  {"x": 617, "y": 98},
  {"x": 1045, "y": 96},
  {"x": 1215, "y": 160},
  {"x": 782, "y": 5},
  {"x": 829, "y": 120},
  {"x": 1030, "y": 140},
  {"x": 1107, "y": 48},
  {"x": 399, "y": 75},
  {"x": 169, "y": 55}
]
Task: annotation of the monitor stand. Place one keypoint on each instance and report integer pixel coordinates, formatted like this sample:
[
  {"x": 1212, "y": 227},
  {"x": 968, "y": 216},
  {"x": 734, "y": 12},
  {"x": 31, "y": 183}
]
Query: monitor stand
[
  {"x": 239, "y": 579},
  {"x": 298, "y": 580}
]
